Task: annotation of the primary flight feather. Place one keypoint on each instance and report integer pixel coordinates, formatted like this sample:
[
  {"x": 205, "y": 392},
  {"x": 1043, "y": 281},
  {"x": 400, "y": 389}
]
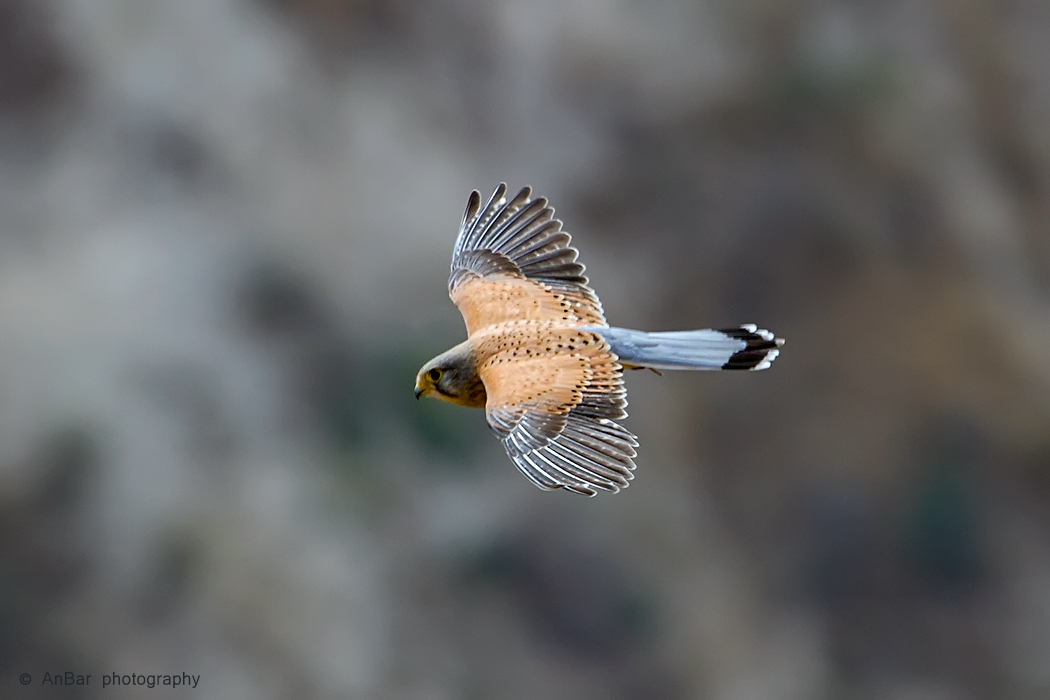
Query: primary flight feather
[{"x": 539, "y": 356}]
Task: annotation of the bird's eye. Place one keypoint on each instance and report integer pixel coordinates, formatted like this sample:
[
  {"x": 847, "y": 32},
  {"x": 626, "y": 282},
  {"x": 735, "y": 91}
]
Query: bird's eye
[{"x": 434, "y": 374}]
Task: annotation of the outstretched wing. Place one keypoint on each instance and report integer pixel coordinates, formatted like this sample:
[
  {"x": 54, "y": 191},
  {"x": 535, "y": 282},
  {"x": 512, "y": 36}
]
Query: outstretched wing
[
  {"x": 554, "y": 393},
  {"x": 512, "y": 261},
  {"x": 557, "y": 414}
]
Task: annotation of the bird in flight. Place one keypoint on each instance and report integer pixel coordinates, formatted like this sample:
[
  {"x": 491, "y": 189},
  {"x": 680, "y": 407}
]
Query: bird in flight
[{"x": 539, "y": 356}]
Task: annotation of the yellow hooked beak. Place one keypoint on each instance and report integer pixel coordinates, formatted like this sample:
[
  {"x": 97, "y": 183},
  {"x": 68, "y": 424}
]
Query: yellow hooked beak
[{"x": 419, "y": 391}]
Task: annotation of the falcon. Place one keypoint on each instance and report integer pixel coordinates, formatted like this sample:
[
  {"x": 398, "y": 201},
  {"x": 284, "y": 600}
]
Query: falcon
[{"x": 539, "y": 356}]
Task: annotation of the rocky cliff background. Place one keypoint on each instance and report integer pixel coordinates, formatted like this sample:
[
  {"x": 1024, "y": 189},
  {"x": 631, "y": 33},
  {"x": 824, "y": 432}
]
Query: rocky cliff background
[{"x": 225, "y": 228}]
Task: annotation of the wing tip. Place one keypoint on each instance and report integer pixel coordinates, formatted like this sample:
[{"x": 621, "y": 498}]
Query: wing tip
[{"x": 524, "y": 194}]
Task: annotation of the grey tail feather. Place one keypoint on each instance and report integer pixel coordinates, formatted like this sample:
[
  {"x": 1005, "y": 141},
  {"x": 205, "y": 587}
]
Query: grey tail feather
[{"x": 747, "y": 347}]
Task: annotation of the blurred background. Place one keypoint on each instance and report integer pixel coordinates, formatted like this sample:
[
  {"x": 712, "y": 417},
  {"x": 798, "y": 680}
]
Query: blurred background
[{"x": 225, "y": 230}]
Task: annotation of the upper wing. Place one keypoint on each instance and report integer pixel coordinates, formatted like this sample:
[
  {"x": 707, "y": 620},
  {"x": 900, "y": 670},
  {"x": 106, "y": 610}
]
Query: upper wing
[
  {"x": 557, "y": 417},
  {"x": 512, "y": 261}
]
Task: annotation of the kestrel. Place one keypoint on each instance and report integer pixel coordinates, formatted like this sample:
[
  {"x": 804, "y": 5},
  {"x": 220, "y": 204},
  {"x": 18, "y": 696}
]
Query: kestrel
[{"x": 539, "y": 356}]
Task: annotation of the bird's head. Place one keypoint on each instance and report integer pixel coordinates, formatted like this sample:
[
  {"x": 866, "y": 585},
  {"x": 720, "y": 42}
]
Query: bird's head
[
  {"x": 429, "y": 378},
  {"x": 452, "y": 376}
]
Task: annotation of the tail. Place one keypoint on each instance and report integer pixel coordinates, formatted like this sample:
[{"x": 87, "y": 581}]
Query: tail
[{"x": 747, "y": 347}]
